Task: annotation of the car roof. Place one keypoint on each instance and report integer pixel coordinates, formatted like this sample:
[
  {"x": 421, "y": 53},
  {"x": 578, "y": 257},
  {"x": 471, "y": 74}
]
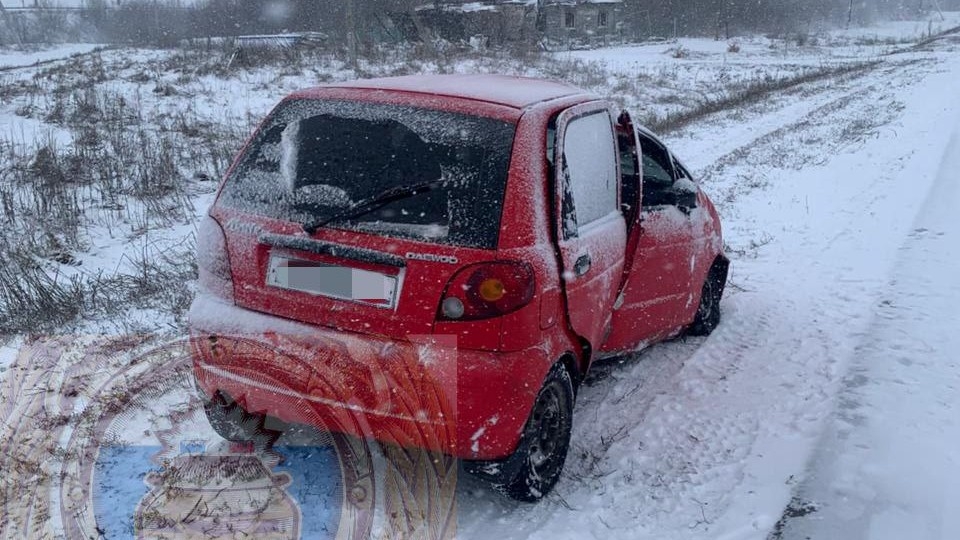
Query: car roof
[{"x": 516, "y": 92}]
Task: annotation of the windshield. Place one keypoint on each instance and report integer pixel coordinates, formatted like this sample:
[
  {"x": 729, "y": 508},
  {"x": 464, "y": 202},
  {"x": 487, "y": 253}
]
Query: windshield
[{"x": 313, "y": 159}]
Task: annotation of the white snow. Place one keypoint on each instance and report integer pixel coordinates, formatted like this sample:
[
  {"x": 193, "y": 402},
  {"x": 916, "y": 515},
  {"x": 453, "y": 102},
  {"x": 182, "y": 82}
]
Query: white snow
[
  {"x": 289, "y": 152},
  {"x": 889, "y": 462},
  {"x": 8, "y": 353}
]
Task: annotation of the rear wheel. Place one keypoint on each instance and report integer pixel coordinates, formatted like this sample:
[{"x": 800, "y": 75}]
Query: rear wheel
[
  {"x": 235, "y": 424},
  {"x": 534, "y": 468}
]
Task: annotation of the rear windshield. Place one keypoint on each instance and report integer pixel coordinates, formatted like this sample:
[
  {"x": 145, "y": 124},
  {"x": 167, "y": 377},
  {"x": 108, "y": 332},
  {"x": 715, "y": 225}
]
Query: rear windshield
[{"x": 314, "y": 158}]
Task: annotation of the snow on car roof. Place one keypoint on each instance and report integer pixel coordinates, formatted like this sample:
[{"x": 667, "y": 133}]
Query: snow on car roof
[{"x": 517, "y": 92}]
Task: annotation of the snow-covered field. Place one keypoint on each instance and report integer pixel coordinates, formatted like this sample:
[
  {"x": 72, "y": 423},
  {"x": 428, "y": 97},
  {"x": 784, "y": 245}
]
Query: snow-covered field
[{"x": 830, "y": 387}]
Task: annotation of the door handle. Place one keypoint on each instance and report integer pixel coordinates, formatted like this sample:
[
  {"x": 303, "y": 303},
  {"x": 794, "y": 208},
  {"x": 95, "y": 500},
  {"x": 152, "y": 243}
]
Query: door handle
[{"x": 582, "y": 266}]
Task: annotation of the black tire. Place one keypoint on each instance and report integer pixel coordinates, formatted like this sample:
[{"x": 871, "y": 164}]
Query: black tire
[
  {"x": 708, "y": 312},
  {"x": 534, "y": 468},
  {"x": 235, "y": 424}
]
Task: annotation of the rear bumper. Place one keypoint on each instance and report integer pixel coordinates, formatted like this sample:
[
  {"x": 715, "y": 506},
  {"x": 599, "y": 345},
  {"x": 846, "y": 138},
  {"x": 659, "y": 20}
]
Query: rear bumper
[{"x": 420, "y": 392}]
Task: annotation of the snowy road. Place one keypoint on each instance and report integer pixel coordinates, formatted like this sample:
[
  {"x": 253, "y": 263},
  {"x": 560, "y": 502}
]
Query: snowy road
[{"x": 889, "y": 465}]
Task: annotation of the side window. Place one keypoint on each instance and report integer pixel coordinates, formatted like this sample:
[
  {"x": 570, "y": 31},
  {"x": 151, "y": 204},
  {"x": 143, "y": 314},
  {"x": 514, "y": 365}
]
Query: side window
[
  {"x": 628, "y": 157},
  {"x": 629, "y": 176},
  {"x": 589, "y": 175},
  {"x": 681, "y": 170},
  {"x": 551, "y": 141},
  {"x": 658, "y": 175}
]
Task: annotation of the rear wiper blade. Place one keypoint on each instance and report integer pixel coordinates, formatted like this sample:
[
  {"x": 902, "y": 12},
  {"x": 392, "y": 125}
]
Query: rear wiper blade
[{"x": 371, "y": 204}]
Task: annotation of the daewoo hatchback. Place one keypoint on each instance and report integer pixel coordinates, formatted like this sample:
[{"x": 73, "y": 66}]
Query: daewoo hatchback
[{"x": 436, "y": 261}]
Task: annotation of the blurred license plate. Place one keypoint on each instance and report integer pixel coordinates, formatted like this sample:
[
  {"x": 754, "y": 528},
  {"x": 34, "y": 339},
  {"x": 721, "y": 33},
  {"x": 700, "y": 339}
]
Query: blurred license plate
[{"x": 331, "y": 280}]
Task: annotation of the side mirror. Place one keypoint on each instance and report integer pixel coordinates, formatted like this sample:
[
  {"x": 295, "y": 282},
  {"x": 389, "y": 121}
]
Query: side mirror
[
  {"x": 686, "y": 200},
  {"x": 682, "y": 194},
  {"x": 685, "y": 185},
  {"x": 685, "y": 192}
]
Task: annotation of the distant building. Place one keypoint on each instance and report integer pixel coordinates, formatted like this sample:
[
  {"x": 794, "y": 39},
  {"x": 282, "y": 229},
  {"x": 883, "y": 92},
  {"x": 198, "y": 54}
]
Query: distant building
[
  {"x": 583, "y": 21},
  {"x": 567, "y": 22},
  {"x": 496, "y": 21},
  {"x": 17, "y": 5}
]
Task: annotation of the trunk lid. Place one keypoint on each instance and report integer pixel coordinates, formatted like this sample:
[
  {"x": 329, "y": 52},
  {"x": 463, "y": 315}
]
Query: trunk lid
[{"x": 382, "y": 268}]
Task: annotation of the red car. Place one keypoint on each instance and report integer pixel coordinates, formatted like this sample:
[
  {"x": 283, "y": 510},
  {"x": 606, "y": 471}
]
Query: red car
[{"x": 436, "y": 261}]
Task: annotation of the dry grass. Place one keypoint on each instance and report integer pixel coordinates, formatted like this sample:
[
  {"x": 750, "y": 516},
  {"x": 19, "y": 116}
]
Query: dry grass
[{"x": 105, "y": 167}]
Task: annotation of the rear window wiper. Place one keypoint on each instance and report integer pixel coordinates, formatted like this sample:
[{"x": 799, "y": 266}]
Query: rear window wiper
[{"x": 376, "y": 202}]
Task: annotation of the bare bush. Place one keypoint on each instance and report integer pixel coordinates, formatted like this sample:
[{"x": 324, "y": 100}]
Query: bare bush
[
  {"x": 108, "y": 164},
  {"x": 31, "y": 300},
  {"x": 678, "y": 52}
]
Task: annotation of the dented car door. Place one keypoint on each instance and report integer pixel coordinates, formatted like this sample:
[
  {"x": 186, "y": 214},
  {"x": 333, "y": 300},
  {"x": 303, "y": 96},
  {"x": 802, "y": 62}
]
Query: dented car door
[{"x": 592, "y": 232}]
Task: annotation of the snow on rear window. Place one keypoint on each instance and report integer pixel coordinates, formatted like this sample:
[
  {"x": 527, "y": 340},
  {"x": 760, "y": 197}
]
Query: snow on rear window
[{"x": 314, "y": 158}]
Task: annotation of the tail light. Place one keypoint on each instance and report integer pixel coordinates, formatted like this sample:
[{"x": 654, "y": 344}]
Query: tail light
[
  {"x": 213, "y": 265},
  {"x": 485, "y": 290}
]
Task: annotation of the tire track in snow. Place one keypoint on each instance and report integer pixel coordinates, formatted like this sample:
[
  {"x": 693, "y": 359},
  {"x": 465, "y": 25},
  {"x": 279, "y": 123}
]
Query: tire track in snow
[
  {"x": 51, "y": 61},
  {"x": 772, "y": 118},
  {"x": 887, "y": 465}
]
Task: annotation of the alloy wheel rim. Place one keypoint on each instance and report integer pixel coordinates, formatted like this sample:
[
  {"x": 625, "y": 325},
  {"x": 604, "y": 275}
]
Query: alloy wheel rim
[{"x": 547, "y": 419}]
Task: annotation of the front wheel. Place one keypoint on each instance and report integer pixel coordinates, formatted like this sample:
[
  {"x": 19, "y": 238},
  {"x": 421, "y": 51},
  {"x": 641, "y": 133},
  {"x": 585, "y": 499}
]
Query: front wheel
[
  {"x": 708, "y": 312},
  {"x": 534, "y": 468}
]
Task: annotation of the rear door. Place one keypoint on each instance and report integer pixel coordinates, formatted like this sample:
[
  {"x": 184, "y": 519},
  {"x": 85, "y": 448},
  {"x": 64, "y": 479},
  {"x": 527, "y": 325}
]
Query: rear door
[{"x": 592, "y": 232}]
